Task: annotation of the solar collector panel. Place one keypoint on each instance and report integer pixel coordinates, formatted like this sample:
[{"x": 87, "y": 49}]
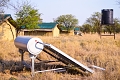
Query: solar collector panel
[{"x": 66, "y": 58}]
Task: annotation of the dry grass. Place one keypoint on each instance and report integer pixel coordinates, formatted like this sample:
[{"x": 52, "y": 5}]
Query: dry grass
[{"x": 88, "y": 49}]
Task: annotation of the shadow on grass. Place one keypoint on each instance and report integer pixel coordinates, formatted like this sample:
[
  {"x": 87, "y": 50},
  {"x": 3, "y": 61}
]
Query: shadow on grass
[{"x": 11, "y": 67}]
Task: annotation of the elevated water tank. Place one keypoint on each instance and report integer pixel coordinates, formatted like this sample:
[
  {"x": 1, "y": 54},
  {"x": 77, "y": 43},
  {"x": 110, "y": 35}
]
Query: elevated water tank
[
  {"x": 107, "y": 17},
  {"x": 32, "y": 45}
]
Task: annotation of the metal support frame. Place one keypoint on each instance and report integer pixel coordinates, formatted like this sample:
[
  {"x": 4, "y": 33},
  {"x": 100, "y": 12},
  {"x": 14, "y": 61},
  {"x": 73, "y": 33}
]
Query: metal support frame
[
  {"x": 32, "y": 66},
  {"x": 106, "y": 35}
]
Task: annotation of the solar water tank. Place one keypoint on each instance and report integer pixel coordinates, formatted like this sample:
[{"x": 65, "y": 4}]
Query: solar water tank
[
  {"x": 107, "y": 17},
  {"x": 29, "y": 44}
]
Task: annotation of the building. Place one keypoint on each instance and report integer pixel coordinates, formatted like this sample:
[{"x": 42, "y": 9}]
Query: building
[
  {"x": 7, "y": 27},
  {"x": 77, "y": 31},
  {"x": 45, "y": 29},
  {"x": 65, "y": 32}
]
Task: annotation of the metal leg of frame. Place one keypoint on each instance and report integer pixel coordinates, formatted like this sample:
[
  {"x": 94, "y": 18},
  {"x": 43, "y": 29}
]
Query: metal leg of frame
[
  {"x": 22, "y": 55},
  {"x": 33, "y": 57}
]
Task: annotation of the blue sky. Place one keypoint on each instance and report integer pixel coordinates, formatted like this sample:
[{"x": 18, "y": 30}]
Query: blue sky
[{"x": 81, "y": 9}]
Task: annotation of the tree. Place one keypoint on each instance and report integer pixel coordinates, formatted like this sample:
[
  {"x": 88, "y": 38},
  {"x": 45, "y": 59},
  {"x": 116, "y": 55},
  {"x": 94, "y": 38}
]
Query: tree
[
  {"x": 26, "y": 17},
  {"x": 112, "y": 28},
  {"x": 86, "y": 28},
  {"x": 117, "y": 25},
  {"x": 3, "y": 3},
  {"x": 67, "y": 21},
  {"x": 95, "y": 22}
]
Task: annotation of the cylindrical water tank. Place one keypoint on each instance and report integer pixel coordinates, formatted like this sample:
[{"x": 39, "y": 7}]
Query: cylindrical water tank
[
  {"x": 32, "y": 45},
  {"x": 107, "y": 17}
]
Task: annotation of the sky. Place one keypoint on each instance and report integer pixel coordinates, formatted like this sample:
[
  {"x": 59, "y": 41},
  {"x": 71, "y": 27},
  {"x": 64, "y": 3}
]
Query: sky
[{"x": 81, "y": 9}]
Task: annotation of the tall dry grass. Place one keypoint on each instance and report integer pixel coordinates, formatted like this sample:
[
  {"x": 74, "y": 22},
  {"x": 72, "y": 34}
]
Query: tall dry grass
[{"x": 88, "y": 49}]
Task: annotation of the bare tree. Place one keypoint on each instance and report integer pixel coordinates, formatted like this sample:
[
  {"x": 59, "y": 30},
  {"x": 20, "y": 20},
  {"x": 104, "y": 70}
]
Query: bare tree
[{"x": 3, "y": 3}]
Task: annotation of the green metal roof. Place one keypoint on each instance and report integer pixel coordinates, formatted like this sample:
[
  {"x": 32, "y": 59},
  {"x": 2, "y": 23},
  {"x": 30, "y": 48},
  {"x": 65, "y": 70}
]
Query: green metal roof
[
  {"x": 47, "y": 25},
  {"x": 11, "y": 21},
  {"x": 77, "y": 29},
  {"x": 3, "y": 16},
  {"x": 44, "y": 26}
]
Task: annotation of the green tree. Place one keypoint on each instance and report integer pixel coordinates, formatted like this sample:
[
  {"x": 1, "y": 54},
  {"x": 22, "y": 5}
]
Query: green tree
[
  {"x": 117, "y": 25},
  {"x": 67, "y": 21},
  {"x": 109, "y": 28},
  {"x": 86, "y": 28},
  {"x": 26, "y": 17},
  {"x": 112, "y": 28},
  {"x": 95, "y": 22}
]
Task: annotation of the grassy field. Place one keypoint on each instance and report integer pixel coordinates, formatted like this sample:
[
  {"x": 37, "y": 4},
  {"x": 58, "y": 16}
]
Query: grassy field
[{"x": 88, "y": 49}]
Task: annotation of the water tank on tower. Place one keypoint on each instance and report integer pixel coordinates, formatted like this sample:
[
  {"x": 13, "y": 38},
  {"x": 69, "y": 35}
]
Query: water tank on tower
[{"x": 107, "y": 17}]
